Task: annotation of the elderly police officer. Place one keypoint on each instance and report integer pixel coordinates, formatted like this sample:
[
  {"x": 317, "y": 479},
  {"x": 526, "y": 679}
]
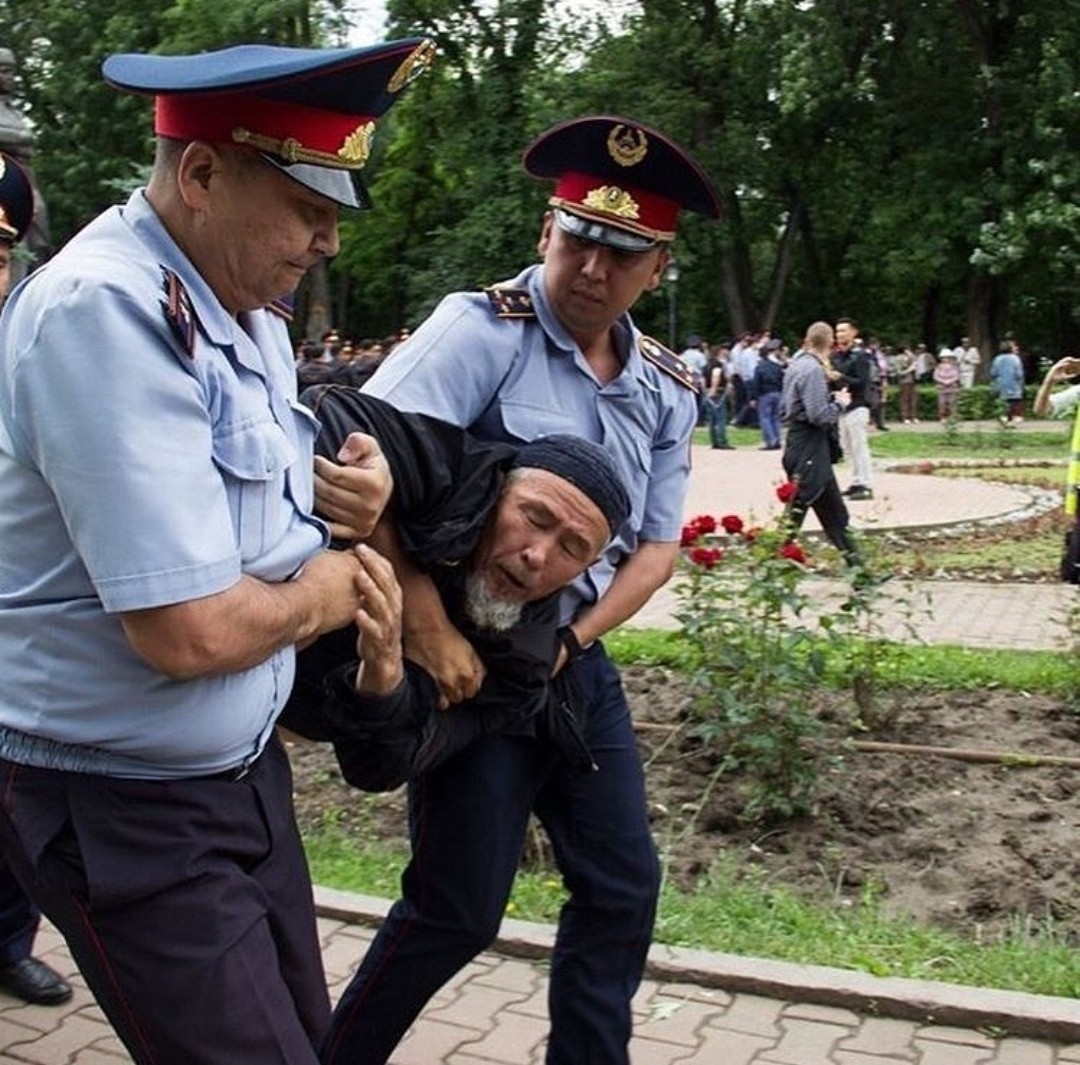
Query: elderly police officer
[
  {"x": 552, "y": 351},
  {"x": 159, "y": 561}
]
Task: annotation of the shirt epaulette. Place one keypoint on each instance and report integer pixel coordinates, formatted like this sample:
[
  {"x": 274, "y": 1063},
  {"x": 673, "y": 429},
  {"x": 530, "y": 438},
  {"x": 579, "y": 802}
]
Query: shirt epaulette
[
  {"x": 665, "y": 359},
  {"x": 282, "y": 308},
  {"x": 510, "y": 302},
  {"x": 178, "y": 311}
]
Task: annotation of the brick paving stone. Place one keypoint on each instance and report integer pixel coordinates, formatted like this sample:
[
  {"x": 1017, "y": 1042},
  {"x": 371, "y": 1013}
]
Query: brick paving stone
[
  {"x": 725, "y": 1047},
  {"x": 76, "y": 1033},
  {"x": 883, "y": 1035},
  {"x": 933, "y": 1052},
  {"x": 475, "y": 1008},
  {"x": 676, "y": 1020},
  {"x": 753, "y": 1014},
  {"x": 942, "y": 1033},
  {"x": 512, "y": 974},
  {"x": 510, "y": 1040},
  {"x": 807, "y": 1042},
  {"x": 432, "y": 1041},
  {"x": 860, "y": 1057},
  {"x": 825, "y": 1014},
  {"x": 714, "y": 996},
  {"x": 1023, "y": 1052}
]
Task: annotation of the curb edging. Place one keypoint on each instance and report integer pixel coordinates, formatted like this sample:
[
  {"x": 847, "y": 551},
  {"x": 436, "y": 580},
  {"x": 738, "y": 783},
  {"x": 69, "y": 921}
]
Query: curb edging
[{"x": 926, "y": 1001}]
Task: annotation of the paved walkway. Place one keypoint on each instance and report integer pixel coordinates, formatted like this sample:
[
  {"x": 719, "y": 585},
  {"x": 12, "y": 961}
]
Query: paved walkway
[{"x": 698, "y": 1008}]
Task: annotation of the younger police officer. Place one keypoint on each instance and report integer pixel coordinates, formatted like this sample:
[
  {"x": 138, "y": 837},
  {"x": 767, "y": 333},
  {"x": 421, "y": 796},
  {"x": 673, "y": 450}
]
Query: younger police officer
[{"x": 553, "y": 350}]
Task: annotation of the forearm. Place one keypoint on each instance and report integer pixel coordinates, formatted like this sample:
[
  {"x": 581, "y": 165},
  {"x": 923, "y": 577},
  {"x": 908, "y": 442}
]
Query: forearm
[
  {"x": 243, "y": 626},
  {"x": 635, "y": 582}
]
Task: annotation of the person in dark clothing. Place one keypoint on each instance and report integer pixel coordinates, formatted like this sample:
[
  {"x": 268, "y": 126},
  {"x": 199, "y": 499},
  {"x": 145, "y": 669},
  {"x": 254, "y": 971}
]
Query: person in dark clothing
[
  {"x": 768, "y": 385},
  {"x": 501, "y": 529},
  {"x": 811, "y": 416}
]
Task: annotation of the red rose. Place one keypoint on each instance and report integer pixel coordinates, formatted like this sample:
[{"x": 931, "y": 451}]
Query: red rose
[
  {"x": 706, "y": 557},
  {"x": 786, "y": 492},
  {"x": 689, "y": 536},
  {"x": 705, "y": 524},
  {"x": 793, "y": 553},
  {"x": 732, "y": 523}
]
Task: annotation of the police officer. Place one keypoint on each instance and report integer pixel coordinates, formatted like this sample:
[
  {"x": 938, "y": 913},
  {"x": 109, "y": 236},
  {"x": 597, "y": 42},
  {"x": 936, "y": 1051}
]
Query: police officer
[
  {"x": 159, "y": 561},
  {"x": 553, "y": 350},
  {"x": 21, "y": 974}
]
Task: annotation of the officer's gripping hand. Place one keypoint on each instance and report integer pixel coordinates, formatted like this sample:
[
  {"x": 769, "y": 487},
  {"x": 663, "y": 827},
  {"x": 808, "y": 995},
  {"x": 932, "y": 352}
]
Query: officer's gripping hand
[{"x": 351, "y": 496}]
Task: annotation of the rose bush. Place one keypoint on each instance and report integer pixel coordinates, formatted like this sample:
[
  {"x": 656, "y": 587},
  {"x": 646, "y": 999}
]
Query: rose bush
[{"x": 759, "y": 654}]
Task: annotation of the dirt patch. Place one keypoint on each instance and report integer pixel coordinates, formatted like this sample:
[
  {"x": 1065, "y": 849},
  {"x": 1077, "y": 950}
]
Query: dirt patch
[{"x": 971, "y": 847}]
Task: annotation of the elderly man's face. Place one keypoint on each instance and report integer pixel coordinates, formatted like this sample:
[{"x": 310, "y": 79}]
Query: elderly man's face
[
  {"x": 261, "y": 231},
  {"x": 543, "y": 533}
]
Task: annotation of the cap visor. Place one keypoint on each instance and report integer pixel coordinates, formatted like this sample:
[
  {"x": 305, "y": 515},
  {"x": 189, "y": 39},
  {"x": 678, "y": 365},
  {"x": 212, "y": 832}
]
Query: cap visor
[
  {"x": 344, "y": 187},
  {"x": 599, "y": 233}
]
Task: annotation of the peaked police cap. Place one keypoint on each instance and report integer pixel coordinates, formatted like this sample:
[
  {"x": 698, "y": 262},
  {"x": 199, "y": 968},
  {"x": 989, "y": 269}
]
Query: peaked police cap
[
  {"x": 619, "y": 182},
  {"x": 310, "y": 112}
]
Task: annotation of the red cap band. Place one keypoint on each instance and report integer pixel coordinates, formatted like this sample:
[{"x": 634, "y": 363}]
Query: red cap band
[
  {"x": 216, "y": 117},
  {"x": 625, "y": 206}
]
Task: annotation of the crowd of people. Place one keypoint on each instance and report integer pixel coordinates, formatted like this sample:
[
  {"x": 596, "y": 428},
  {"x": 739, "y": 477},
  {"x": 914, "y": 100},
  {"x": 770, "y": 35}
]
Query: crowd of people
[{"x": 739, "y": 383}]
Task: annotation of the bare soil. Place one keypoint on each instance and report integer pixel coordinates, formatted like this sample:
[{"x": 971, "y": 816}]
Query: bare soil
[{"x": 971, "y": 847}]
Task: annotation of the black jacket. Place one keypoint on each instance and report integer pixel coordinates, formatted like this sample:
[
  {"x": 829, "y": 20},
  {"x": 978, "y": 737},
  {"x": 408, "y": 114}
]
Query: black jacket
[{"x": 446, "y": 483}]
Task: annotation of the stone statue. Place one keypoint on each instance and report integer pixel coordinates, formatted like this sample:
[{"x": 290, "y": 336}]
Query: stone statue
[{"x": 17, "y": 140}]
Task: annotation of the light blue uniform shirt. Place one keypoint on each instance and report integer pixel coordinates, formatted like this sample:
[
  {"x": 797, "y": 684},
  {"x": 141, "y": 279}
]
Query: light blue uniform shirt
[
  {"x": 133, "y": 474},
  {"x": 519, "y": 378}
]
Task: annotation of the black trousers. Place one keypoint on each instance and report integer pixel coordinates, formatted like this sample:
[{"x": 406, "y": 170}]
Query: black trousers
[{"x": 186, "y": 904}]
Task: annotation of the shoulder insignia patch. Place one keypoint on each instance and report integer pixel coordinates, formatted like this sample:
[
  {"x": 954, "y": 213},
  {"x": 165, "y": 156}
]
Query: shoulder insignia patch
[
  {"x": 179, "y": 312},
  {"x": 282, "y": 308},
  {"x": 666, "y": 360},
  {"x": 510, "y": 302}
]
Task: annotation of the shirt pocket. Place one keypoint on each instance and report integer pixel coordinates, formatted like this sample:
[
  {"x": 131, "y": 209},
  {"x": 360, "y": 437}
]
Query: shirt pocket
[{"x": 253, "y": 458}]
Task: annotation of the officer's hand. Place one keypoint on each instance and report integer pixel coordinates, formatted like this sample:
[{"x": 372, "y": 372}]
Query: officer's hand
[
  {"x": 352, "y": 496},
  {"x": 450, "y": 659}
]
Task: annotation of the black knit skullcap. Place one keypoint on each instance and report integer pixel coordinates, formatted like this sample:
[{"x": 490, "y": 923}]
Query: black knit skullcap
[{"x": 587, "y": 466}]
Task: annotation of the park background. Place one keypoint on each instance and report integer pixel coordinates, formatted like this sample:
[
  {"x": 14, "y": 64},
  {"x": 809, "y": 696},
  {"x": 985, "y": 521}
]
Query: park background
[{"x": 911, "y": 164}]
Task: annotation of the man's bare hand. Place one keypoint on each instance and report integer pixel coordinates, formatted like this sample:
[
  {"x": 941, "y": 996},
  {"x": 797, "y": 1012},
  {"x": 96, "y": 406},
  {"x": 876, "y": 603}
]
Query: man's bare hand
[
  {"x": 330, "y": 577},
  {"x": 450, "y": 659},
  {"x": 379, "y": 620},
  {"x": 351, "y": 496}
]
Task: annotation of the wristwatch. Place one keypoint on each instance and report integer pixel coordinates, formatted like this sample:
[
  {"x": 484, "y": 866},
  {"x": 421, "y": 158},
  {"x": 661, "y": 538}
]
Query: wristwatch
[{"x": 568, "y": 638}]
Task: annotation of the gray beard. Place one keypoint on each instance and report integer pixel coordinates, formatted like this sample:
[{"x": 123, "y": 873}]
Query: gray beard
[{"x": 487, "y": 612}]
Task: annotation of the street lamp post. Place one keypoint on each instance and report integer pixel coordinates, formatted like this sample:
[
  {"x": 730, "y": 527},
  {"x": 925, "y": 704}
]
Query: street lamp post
[{"x": 671, "y": 276}]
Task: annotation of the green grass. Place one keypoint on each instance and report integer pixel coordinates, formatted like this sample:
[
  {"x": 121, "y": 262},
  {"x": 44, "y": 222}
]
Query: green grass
[
  {"x": 967, "y": 442},
  {"x": 741, "y": 913}
]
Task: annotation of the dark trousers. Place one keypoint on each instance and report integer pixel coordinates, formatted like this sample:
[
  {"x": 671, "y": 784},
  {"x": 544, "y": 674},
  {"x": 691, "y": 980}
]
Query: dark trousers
[
  {"x": 468, "y": 820},
  {"x": 832, "y": 512},
  {"x": 768, "y": 406},
  {"x": 716, "y": 418},
  {"x": 19, "y": 919},
  {"x": 186, "y": 905}
]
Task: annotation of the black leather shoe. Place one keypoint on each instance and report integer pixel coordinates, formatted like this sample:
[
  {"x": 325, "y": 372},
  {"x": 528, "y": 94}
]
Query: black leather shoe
[
  {"x": 35, "y": 982},
  {"x": 858, "y": 491}
]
